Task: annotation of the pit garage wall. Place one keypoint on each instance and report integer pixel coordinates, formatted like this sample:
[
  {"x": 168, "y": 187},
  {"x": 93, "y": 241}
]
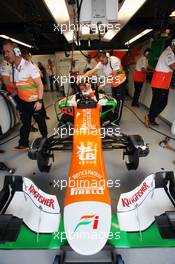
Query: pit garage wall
[
  {"x": 146, "y": 96},
  {"x": 63, "y": 63}
]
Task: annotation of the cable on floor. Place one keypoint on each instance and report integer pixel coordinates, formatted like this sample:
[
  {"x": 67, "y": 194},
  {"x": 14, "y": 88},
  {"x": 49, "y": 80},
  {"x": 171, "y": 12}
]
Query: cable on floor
[{"x": 157, "y": 131}]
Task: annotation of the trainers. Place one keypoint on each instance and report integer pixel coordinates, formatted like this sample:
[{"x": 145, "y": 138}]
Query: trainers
[
  {"x": 154, "y": 123},
  {"x": 135, "y": 104},
  {"x": 20, "y": 147},
  {"x": 146, "y": 121}
]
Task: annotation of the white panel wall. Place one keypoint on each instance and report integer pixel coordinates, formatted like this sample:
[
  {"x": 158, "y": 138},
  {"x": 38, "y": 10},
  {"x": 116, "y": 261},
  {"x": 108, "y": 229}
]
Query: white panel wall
[
  {"x": 43, "y": 59},
  {"x": 63, "y": 64}
]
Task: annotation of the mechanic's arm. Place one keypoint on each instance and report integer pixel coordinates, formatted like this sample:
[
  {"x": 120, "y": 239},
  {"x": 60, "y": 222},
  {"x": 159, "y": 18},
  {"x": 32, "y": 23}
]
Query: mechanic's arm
[
  {"x": 90, "y": 73},
  {"x": 143, "y": 69},
  {"x": 109, "y": 79},
  {"x": 6, "y": 81},
  {"x": 40, "y": 88},
  {"x": 172, "y": 66},
  {"x": 150, "y": 68}
]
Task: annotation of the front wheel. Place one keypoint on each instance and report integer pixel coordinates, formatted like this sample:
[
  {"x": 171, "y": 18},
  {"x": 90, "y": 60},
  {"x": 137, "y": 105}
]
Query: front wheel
[
  {"x": 57, "y": 260},
  {"x": 120, "y": 260},
  {"x": 43, "y": 159}
]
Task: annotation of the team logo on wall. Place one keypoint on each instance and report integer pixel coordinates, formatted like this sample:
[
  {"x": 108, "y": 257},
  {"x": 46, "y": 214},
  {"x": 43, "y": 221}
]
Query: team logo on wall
[
  {"x": 88, "y": 220},
  {"x": 87, "y": 152}
]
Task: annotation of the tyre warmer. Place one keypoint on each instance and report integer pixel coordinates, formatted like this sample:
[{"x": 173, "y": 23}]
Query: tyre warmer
[
  {"x": 138, "y": 208},
  {"x": 10, "y": 227},
  {"x": 20, "y": 197},
  {"x": 166, "y": 225}
]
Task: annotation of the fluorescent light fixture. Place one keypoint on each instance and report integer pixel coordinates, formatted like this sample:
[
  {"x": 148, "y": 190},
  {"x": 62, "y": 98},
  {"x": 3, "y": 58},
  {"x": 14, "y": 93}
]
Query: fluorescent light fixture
[
  {"x": 126, "y": 12},
  {"x": 16, "y": 41},
  {"x": 69, "y": 35},
  {"x": 121, "y": 50},
  {"x": 89, "y": 43},
  {"x": 172, "y": 14},
  {"x": 146, "y": 31},
  {"x": 78, "y": 43},
  {"x": 110, "y": 34},
  {"x": 85, "y": 30},
  {"x": 58, "y": 10}
]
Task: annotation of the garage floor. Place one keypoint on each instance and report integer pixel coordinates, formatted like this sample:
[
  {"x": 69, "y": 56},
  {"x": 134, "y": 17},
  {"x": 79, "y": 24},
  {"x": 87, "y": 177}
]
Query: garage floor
[{"x": 158, "y": 159}]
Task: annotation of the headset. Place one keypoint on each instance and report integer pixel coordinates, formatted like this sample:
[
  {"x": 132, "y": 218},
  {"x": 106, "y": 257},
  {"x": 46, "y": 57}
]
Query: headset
[
  {"x": 17, "y": 51},
  {"x": 104, "y": 53},
  {"x": 173, "y": 41},
  {"x": 147, "y": 51}
]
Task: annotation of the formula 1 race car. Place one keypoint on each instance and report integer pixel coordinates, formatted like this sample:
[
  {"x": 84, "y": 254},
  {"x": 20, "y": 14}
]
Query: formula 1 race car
[
  {"x": 42, "y": 149},
  {"x": 87, "y": 224}
]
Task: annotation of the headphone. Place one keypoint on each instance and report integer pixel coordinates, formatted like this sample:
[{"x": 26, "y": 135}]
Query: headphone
[
  {"x": 104, "y": 53},
  {"x": 147, "y": 51},
  {"x": 173, "y": 42},
  {"x": 17, "y": 51}
]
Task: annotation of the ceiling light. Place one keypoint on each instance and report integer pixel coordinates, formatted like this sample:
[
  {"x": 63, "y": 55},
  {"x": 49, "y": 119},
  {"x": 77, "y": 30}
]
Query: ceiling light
[
  {"x": 85, "y": 30},
  {"x": 16, "y": 41},
  {"x": 69, "y": 35},
  {"x": 172, "y": 14},
  {"x": 146, "y": 31},
  {"x": 128, "y": 9},
  {"x": 126, "y": 12},
  {"x": 89, "y": 43},
  {"x": 109, "y": 35},
  {"x": 122, "y": 50},
  {"x": 58, "y": 10}
]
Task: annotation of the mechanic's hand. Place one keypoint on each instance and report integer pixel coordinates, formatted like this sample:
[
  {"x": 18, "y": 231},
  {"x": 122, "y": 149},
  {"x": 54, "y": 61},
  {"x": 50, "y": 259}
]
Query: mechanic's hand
[
  {"x": 79, "y": 79},
  {"x": 37, "y": 106},
  {"x": 101, "y": 87}
]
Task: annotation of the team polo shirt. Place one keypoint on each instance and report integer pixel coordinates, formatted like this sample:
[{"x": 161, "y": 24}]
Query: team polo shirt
[
  {"x": 142, "y": 62},
  {"x": 166, "y": 58},
  {"x": 23, "y": 77},
  {"x": 163, "y": 73},
  {"x": 114, "y": 64}
]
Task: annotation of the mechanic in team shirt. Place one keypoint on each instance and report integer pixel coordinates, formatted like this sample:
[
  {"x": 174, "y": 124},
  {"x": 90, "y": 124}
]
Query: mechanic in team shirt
[
  {"x": 27, "y": 82},
  {"x": 115, "y": 76},
  {"x": 161, "y": 83},
  {"x": 139, "y": 75}
]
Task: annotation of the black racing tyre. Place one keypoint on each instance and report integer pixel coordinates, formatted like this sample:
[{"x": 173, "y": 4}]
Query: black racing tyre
[
  {"x": 43, "y": 159},
  {"x": 33, "y": 151},
  {"x": 65, "y": 119},
  {"x": 119, "y": 260},
  {"x": 133, "y": 159},
  {"x": 57, "y": 260}
]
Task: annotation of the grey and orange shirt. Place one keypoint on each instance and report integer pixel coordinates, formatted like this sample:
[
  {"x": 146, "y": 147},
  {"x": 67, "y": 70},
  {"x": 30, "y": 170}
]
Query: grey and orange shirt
[{"x": 23, "y": 77}]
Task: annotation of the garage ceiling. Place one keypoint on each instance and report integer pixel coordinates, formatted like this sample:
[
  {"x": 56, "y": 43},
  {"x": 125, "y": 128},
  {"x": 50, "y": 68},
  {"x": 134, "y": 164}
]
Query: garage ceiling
[{"x": 30, "y": 22}]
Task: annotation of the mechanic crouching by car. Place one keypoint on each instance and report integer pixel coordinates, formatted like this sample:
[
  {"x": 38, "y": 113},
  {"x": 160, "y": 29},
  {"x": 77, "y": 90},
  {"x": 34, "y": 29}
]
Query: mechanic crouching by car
[
  {"x": 115, "y": 76},
  {"x": 29, "y": 87}
]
